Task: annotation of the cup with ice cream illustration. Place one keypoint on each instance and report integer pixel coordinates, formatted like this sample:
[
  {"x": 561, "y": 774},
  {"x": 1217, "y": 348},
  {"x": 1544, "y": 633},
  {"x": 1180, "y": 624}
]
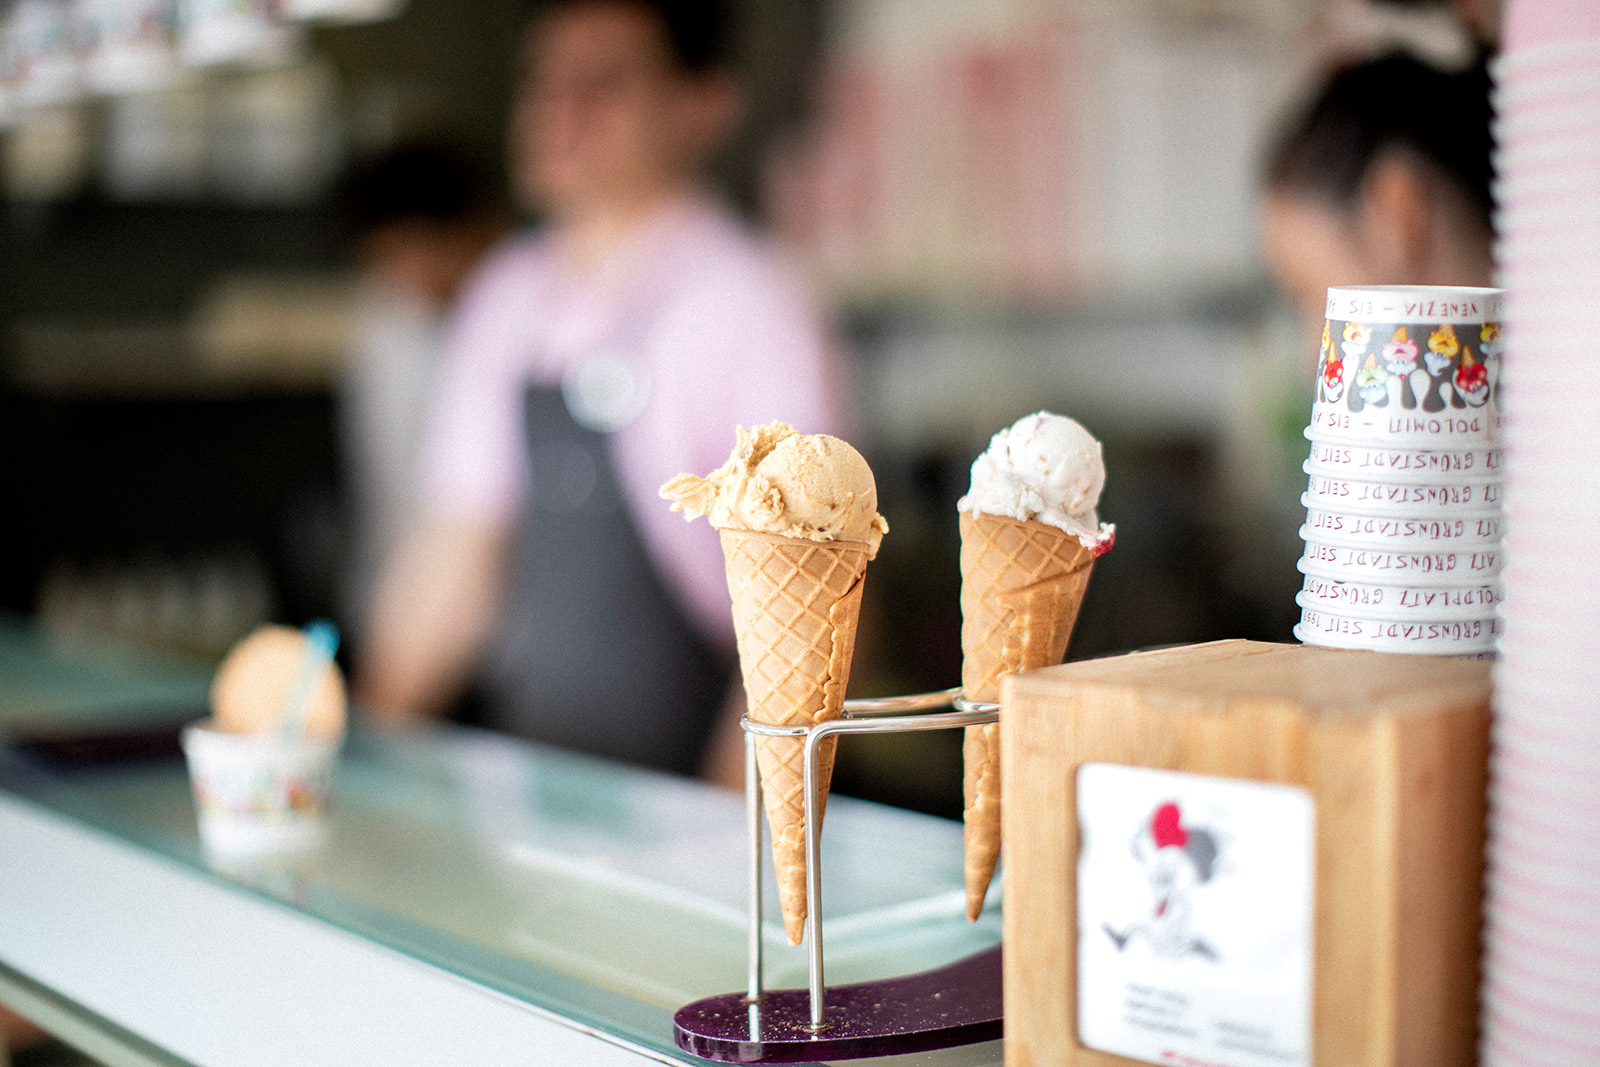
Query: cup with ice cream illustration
[
  {"x": 1400, "y": 360},
  {"x": 1489, "y": 342},
  {"x": 1356, "y": 335},
  {"x": 1404, "y": 480},
  {"x": 1443, "y": 346},
  {"x": 1472, "y": 381},
  {"x": 1330, "y": 370},
  {"x": 1427, "y": 385}
]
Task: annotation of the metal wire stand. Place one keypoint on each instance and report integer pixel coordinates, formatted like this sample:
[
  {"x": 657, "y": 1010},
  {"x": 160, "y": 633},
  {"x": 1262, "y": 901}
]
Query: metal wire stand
[{"x": 885, "y": 715}]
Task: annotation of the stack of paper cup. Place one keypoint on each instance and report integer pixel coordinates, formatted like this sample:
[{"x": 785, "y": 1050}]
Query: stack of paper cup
[{"x": 1402, "y": 525}]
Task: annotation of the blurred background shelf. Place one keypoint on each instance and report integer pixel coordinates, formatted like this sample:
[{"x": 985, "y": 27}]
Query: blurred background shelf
[{"x": 1012, "y": 205}]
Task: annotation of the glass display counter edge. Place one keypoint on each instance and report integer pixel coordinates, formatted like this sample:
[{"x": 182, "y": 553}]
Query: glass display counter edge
[{"x": 217, "y": 974}]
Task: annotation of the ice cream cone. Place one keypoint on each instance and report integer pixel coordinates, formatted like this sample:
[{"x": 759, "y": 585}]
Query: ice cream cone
[
  {"x": 795, "y": 607},
  {"x": 1022, "y": 582}
]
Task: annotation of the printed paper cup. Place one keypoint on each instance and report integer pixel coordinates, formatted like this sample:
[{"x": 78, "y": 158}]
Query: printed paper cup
[
  {"x": 258, "y": 795},
  {"x": 1398, "y": 532},
  {"x": 1453, "y": 430},
  {"x": 1371, "y": 600},
  {"x": 1340, "y": 459},
  {"x": 1402, "y": 498},
  {"x": 1409, "y": 366},
  {"x": 1428, "y": 637},
  {"x": 1456, "y": 567}
]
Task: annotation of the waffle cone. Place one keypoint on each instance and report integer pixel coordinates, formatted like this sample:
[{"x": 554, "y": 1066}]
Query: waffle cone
[
  {"x": 1021, "y": 585},
  {"x": 795, "y": 607}
]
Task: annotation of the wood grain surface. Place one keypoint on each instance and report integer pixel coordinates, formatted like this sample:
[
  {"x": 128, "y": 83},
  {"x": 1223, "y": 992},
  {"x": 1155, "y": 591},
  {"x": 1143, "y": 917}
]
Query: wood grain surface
[{"x": 1393, "y": 750}]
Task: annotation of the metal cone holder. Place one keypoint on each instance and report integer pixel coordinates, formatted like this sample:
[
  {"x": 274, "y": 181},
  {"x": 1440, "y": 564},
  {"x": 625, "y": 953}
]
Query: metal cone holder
[{"x": 897, "y": 1015}]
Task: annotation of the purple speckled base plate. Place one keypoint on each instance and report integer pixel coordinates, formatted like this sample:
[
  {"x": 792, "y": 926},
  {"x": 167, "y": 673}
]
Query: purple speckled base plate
[{"x": 953, "y": 1005}]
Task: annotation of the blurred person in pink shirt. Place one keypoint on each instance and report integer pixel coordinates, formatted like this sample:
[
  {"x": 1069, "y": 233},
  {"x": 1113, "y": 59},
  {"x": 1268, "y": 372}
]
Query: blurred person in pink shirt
[{"x": 589, "y": 361}]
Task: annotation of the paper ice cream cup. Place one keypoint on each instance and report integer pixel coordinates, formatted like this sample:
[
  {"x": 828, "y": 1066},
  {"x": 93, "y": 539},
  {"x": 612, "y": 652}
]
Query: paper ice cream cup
[
  {"x": 1448, "y": 430},
  {"x": 257, "y": 794},
  {"x": 1409, "y": 366},
  {"x": 1435, "y": 637},
  {"x": 1402, "y": 498},
  {"x": 1369, "y": 600},
  {"x": 1340, "y": 459},
  {"x": 1463, "y": 566},
  {"x": 1432, "y": 533}
]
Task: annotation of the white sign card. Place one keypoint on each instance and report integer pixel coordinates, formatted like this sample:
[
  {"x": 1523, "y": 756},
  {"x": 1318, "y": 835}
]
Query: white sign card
[{"x": 1194, "y": 918}]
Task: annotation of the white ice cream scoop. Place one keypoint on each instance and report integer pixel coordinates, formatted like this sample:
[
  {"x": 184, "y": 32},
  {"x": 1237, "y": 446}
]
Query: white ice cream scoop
[{"x": 1044, "y": 467}]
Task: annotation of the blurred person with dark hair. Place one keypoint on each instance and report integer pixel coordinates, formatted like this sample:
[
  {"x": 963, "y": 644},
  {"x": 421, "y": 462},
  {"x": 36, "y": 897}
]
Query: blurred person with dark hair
[
  {"x": 1384, "y": 179},
  {"x": 591, "y": 360},
  {"x": 420, "y": 220}
]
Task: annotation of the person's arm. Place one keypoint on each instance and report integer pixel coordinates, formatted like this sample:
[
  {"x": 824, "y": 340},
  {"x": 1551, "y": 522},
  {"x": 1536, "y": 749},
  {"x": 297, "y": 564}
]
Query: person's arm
[
  {"x": 437, "y": 598},
  {"x": 431, "y": 617},
  {"x": 723, "y": 762}
]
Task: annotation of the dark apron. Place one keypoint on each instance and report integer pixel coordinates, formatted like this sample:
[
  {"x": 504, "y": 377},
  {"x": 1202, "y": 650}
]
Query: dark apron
[{"x": 594, "y": 652}]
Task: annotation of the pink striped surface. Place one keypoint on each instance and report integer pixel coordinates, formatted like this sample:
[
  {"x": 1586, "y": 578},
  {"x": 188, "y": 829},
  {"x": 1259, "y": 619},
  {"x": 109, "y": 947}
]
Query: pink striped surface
[
  {"x": 1557, "y": 950},
  {"x": 1542, "y": 963},
  {"x": 1529, "y": 1021},
  {"x": 1550, "y": 856},
  {"x": 1532, "y": 25}
]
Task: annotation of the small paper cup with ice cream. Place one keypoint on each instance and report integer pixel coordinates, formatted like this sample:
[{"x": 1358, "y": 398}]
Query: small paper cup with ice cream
[
  {"x": 1428, "y": 637},
  {"x": 263, "y": 786},
  {"x": 1409, "y": 366}
]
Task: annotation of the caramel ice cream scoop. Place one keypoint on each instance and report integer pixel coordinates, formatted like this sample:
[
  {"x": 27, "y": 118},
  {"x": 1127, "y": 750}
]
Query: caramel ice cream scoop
[
  {"x": 253, "y": 683},
  {"x": 780, "y": 481}
]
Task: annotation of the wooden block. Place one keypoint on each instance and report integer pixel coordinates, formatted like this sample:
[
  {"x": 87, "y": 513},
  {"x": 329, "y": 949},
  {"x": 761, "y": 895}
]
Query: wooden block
[{"x": 1392, "y": 750}]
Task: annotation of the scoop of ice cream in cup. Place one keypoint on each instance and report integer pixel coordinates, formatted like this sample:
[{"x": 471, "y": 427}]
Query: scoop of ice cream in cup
[{"x": 262, "y": 765}]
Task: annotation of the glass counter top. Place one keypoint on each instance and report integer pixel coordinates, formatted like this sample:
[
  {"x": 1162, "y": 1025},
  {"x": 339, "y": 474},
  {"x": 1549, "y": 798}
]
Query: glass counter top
[
  {"x": 608, "y": 895},
  {"x": 48, "y": 687}
]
